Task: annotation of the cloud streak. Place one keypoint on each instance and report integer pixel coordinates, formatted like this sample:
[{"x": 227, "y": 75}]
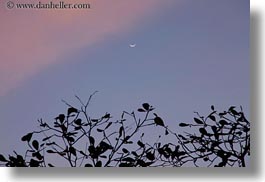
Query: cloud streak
[{"x": 32, "y": 40}]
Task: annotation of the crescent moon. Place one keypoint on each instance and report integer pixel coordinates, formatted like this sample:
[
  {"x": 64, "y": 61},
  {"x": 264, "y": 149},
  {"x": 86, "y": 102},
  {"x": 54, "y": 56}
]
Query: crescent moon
[{"x": 132, "y": 45}]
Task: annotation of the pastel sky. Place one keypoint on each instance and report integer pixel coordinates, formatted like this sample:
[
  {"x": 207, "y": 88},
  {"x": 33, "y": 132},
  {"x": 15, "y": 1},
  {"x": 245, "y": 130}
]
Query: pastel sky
[
  {"x": 190, "y": 55},
  {"x": 32, "y": 43}
]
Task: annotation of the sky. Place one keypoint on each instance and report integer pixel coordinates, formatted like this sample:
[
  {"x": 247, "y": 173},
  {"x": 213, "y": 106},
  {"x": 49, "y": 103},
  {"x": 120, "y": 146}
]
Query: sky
[{"x": 189, "y": 55}]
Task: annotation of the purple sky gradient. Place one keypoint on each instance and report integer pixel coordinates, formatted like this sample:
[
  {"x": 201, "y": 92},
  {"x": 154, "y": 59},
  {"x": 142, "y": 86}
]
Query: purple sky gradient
[{"x": 187, "y": 58}]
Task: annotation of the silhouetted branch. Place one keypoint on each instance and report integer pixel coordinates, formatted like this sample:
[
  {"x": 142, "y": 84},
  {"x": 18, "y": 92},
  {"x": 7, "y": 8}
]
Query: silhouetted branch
[{"x": 219, "y": 139}]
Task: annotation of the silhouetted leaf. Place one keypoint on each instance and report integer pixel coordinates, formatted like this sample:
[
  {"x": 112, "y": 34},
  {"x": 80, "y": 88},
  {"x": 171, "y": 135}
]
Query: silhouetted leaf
[
  {"x": 78, "y": 122},
  {"x": 181, "y": 153},
  {"x": 140, "y": 110},
  {"x": 140, "y": 144},
  {"x": 150, "y": 156},
  {"x": 61, "y": 118},
  {"x": 70, "y": 139},
  {"x": 64, "y": 128},
  {"x": 146, "y": 106},
  {"x": 11, "y": 158},
  {"x": 129, "y": 142},
  {"x": 109, "y": 124},
  {"x": 182, "y": 137},
  {"x": 2, "y": 158},
  {"x": 72, "y": 150},
  {"x": 47, "y": 138},
  {"x": 203, "y": 131},
  {"x": 107, "y": 116},
  {"x": 168, "y": 150},
  {"x": 91, "y": 149},
  {"x": 212, "y": 107},
  {"x": 99, "y": 130},
  {"x": 37, "y": 155},
  {"x": 158, "y": 121},
  {"x": 49, "y": 144},
  {"x": 71, "y": 110},
  {"x": 177, "y": 148},
  {"x": 51, "y": 151},
  {"x": 78, "y": 128},
  {"x": 134, "y": 153},
  {"x": 183, "y": 124},
  {"x": 98, "y": 164},
  {"x": 83, "y": 153},
  {"x": 91, "y": 140},
  {"x": 223, "y": 122},
  {"x": 34, "y": 163},
  {"x": 19, "y": 157},
  {"x": 50, "y": 165},
  {"x": 105, "y": 145},
  {"x": 214, "y": 128},
  {"x": 94, "y": 120},
  {"x": 202, "y": 150},
  {"x": 27, "y": 137},
  {"x": 71, "y": 133},
  {"x": 246, "y": 129},
  {"x": 212, "y": 117},
  {"x": 149, "y": 163},
  {"x": 222, "y": 114},
  {"x": 128, "y": 159},
  {"x": 141, "y": 163},
  {"x": 160, "y": 151},
  {"x": 231, "y": 108},
  {"x": 120, "y": 131},
  {"x": 144, "y": 164},
  {"x": 93, "y": 152},
  {"x": 125, "y": 165},
  {"x": 88, "y": 165},
  {"x": 151, "y": 109},
  {"x": 198, "y": 121},
  {"x": 220, "y": 153},
  {"x": 124, "y": 150},
  {"x": 35, "y": 144},
  {"x": 234, "y": 112}
]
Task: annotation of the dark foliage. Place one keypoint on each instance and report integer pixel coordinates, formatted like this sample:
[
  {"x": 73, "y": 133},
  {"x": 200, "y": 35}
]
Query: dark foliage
[
  {"x": 220, "y": 139},
  {"x": 223, "y": 139}
]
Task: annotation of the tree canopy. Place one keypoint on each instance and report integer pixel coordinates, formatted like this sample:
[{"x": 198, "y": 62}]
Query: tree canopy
[{"x": 219, "y": 139}]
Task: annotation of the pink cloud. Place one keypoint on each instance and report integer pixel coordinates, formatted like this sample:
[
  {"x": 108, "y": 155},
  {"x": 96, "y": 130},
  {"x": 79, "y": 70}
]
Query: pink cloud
[{"x": 32, "y": 40}]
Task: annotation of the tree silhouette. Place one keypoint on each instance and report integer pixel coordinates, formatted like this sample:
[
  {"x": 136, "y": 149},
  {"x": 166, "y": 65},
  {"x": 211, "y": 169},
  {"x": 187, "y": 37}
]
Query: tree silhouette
[
  {"x": 82, "y": 141},
  {"x": 221, "y": 139}
]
